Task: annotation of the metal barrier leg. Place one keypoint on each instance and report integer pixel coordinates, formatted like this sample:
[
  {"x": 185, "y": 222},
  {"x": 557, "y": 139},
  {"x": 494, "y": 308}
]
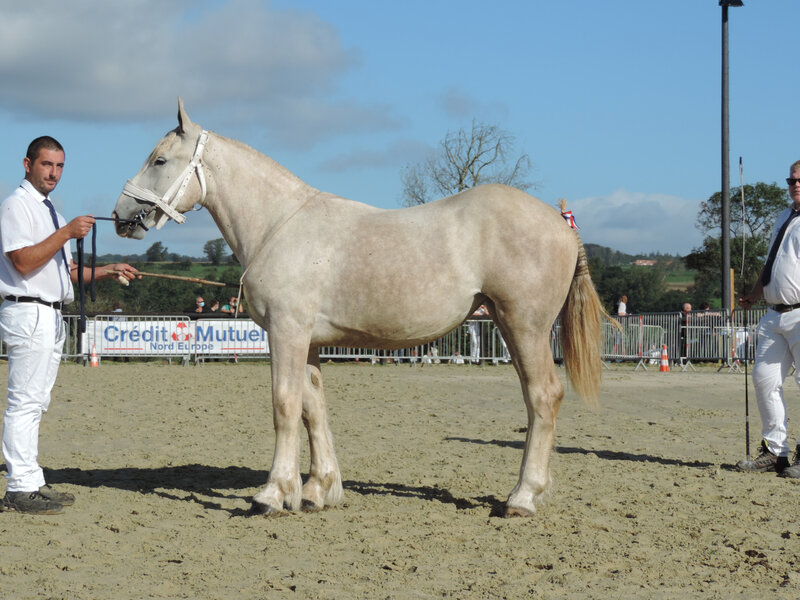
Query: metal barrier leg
[{"x": 734, "y": 367}]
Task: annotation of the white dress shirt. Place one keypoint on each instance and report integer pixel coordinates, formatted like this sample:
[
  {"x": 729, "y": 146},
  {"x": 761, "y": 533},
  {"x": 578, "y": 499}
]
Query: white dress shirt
[{"x": 25, "y": 221}]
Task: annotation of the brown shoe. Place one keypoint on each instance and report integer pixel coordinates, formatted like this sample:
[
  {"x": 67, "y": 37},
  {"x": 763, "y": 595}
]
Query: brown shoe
[
  {"x": 764, "y": 462},
  {"x": 32, "y": 503},
  {"x": 63, "y": 498}
]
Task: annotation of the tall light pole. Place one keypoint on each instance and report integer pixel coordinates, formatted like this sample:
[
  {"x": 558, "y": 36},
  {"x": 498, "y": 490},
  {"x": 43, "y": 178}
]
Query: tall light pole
[{"x": 726, "y": 166}]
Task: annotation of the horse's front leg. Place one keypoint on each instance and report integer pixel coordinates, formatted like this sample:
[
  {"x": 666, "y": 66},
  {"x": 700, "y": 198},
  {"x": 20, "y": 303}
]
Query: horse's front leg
[
  {"x": 324, "y": 484},
  {"x": 284, "y": 486}
]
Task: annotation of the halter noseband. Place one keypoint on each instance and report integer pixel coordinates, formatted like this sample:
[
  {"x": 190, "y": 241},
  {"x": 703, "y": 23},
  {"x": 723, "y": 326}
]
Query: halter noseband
[{"x": 167, "y": 203}]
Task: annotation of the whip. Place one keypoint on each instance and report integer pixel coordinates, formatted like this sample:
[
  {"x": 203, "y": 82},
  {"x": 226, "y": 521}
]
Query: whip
[
  {"x": 746, "y": 325},
  {"x": 182, "y": 278}
]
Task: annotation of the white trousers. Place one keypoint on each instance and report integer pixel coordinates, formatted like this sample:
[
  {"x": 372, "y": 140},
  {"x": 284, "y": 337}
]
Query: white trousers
[
  {"x": 34, "y": 336},
  {"x": 474, "y": 340},
  {"x": 778, "y": 347}
]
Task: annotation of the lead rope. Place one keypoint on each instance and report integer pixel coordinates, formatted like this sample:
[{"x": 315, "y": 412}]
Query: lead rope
[
  {"x": 81, "y": 284},
  {"x": 81, "y": 290}
]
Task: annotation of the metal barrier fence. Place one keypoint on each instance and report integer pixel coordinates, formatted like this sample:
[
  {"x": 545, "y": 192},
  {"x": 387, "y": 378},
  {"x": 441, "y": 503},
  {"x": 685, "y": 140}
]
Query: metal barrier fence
[
  {"x": 702, "y": 336},
  {"x": 634, "y": 340}
]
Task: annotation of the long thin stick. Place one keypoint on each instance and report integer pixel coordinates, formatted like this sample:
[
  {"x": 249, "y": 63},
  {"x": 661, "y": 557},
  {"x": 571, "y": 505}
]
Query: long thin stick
[
  {"x": 182, "y": 278},
  {"x": 746, "y": 326}
]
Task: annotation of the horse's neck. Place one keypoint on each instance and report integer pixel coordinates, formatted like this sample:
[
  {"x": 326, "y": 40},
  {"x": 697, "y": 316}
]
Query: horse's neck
[{"x": 250, "y": 196}]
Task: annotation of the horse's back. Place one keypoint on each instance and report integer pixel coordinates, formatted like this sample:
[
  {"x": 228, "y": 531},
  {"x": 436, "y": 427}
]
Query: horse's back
[{"x": 467, "y": 222}]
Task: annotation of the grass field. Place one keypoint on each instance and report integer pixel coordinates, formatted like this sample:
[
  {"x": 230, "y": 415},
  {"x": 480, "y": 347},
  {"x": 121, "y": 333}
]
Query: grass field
[{"x": 680, "y": 280}]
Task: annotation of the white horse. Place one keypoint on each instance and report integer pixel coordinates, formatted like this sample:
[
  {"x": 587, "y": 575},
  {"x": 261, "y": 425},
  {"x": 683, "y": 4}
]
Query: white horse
[{"x": 320, "y": 270}]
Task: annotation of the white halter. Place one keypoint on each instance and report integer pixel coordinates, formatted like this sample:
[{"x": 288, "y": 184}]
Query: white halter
[{"x": 173, "y": 195}]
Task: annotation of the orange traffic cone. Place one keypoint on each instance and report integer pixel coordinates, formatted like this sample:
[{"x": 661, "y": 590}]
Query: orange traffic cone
[
  {"x": 664, "y": 368},
  {"x": 93, "y": 357}
]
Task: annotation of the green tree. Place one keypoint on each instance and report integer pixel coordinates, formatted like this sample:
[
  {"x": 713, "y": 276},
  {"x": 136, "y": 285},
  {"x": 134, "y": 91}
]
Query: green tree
[
  {"x": 751, "y": 230},
  {"x": 156, "y": 253},
  {"x": 215, "y": 250},
  {"x": 645, "y": 288},
  {"x": 761, "y": 202},
  {"x": 467, "y": 159}
]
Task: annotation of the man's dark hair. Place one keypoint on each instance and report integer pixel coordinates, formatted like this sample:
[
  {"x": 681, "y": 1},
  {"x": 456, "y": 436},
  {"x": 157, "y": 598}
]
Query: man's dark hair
[{"x": 44, "y": 142}]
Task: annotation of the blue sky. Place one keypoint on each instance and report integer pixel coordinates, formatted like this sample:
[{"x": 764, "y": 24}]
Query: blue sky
[{"x": 616, "y": 103}]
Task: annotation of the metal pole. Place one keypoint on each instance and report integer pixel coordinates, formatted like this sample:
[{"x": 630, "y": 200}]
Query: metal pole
[{"x": 725, "y": 182}]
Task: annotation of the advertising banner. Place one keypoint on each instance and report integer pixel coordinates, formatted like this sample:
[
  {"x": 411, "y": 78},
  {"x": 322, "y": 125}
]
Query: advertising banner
[{"x": 176, "y": 336}]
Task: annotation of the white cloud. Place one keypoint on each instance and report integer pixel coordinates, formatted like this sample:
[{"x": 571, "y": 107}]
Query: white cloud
[
  {"x": 118, "y": 61},
  {"x": 635, "y": 222}
]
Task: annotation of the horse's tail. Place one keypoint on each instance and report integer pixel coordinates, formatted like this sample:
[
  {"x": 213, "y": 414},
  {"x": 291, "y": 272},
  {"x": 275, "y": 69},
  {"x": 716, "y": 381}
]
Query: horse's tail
[{"x": 581, "y": 329}]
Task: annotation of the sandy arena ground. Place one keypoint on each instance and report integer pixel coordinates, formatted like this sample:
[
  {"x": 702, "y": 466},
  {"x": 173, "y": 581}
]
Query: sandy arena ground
[{"x": 162, "y": 459}]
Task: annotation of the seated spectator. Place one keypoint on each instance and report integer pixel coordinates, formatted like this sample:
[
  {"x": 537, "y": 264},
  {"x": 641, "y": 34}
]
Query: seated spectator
[
  {"x": 118, "y": 309},
  {"x": 230, "y": 307},
  {"x": 199, "y": 305}
]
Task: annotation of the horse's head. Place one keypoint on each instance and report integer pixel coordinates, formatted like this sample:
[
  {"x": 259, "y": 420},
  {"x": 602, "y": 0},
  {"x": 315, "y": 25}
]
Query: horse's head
[{"x": 170, "y": 182}]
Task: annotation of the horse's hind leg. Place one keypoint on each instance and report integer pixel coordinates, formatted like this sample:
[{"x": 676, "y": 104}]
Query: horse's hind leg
[
  {"x": 324, "y": 484},
  {"x": 543, "y": 393}
]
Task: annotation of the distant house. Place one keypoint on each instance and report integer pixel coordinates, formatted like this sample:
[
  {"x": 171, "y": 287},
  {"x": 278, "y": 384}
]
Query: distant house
[{"x": 643, "y": 262}]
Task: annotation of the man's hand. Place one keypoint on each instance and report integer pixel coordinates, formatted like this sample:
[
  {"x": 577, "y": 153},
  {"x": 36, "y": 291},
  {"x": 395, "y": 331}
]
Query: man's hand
[
  {"x": 753, "y": 295},
  {"x": 122, "y": 271},
  {"x": 748, "y": 300},
  {"x": 79, "y": 227}
]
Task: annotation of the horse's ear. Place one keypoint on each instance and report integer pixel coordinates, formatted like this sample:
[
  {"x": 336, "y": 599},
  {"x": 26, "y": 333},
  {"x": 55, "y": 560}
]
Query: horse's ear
[{"x": 184, "y": 122}]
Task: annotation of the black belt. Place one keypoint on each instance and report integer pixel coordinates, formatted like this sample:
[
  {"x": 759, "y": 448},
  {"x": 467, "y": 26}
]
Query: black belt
[
  {"x": 56, "y": 305},
  {"x": 783, "y": 308}
]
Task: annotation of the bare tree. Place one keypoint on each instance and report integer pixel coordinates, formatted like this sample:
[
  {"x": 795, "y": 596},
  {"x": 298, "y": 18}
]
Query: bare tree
[{"x": 467, "y": 159}]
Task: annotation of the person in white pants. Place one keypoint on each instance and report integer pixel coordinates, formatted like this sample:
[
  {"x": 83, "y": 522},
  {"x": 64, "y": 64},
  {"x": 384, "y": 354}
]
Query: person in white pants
[
  {"x": 475, "y": 334},
  {"x": 35, "y": 282},
  {"x": 778, "y": 344}
]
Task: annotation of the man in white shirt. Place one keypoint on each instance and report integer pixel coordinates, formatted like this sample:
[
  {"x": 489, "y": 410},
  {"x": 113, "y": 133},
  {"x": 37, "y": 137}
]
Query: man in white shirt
[
  {"x": 778, "y": 337},
  {"x": 35, "y": 282}
]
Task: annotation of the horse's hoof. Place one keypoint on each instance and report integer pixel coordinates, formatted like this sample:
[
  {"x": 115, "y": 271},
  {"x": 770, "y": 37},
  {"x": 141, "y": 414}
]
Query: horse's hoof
[
  {"x": 261, "y": 509},
  {"x": 310, "y": 506},
  {"x": 518, "y": 511}
]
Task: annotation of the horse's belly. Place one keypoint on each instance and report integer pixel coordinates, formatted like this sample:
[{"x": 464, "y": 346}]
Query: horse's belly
[{"x": 401, "y": 331}]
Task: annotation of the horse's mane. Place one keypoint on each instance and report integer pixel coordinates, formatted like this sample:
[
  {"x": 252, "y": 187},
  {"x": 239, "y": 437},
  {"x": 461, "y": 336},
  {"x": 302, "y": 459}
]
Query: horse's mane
[{"x": 273, "y": 165}]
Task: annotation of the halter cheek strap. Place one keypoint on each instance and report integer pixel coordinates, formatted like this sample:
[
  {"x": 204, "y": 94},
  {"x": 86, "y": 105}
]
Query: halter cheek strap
[{"x": 167, "y": 203}]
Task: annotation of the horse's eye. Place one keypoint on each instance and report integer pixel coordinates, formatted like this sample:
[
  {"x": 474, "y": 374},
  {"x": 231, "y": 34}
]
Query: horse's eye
[{"x": 161, "y": 161}]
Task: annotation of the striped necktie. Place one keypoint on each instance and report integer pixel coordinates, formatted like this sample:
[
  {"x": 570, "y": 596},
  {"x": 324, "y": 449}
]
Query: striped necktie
[{"x": 53, "y": 216}]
